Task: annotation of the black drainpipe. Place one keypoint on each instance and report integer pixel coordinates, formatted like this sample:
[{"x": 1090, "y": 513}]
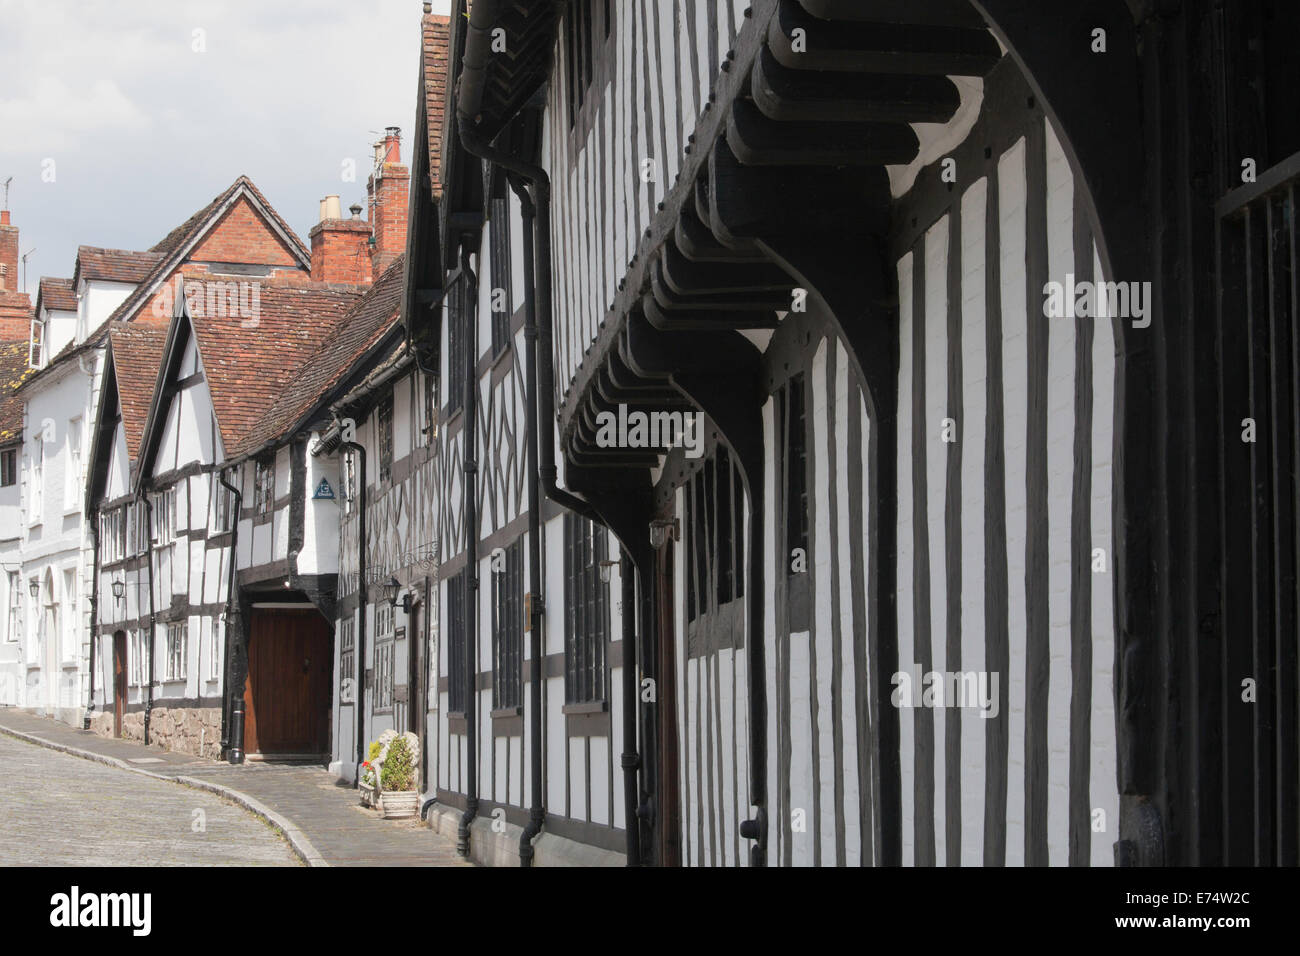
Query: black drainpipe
[
  {"x": 232, "y": 613},
  {"x": 359, "y": 695},
  {"x": 631, "y": 758},
  {"x": 469, "y": 481},
  {"x": 153, "y": 623},
  {"x": 94, "y": 615},
  {"x": 537, "y": 813}
]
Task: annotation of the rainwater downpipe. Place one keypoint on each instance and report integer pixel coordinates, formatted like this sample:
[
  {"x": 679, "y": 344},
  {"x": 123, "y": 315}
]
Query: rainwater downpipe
[
  {"x": 94, "y": 616},
  {"x": 153, "y": 616},
  {"x": 537, "y": 811},
  {"x": 469, "y": 484},
  {"x": 232, "y": 616},
  {"x": 359, "y": 695}
]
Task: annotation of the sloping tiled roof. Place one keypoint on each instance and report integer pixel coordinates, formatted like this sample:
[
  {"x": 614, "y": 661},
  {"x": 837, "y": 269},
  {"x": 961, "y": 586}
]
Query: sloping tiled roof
[
  {"x": 112, "y": 265},
  {"x": 13, "y": 369},
  {"x": 166, "y": 260},
  {"x": 137, "y": 349},
  {"x": 56, "y": 295},
  {"x": 377, "y": 312},
  {"x": 437, "y": 51},
  {"x": 249, "y": 366}
]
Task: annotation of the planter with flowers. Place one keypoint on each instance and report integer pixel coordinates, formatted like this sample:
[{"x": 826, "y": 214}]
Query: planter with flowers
[
  {"x": 399, "y": 795},
  {"x": 368, "y": 785}
]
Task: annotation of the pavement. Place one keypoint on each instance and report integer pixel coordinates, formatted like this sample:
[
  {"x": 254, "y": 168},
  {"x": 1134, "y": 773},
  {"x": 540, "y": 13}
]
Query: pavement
[{"x": 102, "y": 805}]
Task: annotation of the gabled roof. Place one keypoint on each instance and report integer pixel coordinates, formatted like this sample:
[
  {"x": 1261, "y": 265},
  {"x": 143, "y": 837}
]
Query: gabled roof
[
  {"x": 349, "y": 346},
  {"x": 56, "y": 295},
  {"x": 136, "y": 351},
  {"x": 111, "y": 265},
  {"x": 170, "y": 253},
  {"x": 249, "y": 364},
  {"x": 13, "y": 369},
  {"x": 436, "y": 52}
]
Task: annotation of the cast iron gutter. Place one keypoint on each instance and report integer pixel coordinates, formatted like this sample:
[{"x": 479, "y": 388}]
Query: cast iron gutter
[
  {"x": 537, "y": 812},
  {"x": 469, "y": 484},
  {"x": 94, "y": 616},
  {"x": 359, "y": 694},
  {"x": 153, "y": 618},
  {"x": 232, "y": 612}
]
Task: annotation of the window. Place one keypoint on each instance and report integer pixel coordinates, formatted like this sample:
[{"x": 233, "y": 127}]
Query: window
[
  {"x": 36, "y": 486},
  {"x": 15, "y": 615},
  {"x": 72, "y": 482},
  {"x": 223, "y": 500},
  {"x": 383, "y": 656},
  {"x": 499, "y": 246},
  {"x": 112, "y": 535},
  {"x": 347, "y": 651},
  {"x": 8, "y": 467},
  {"x": 136, "y": 658},
  {"x": 384, "y": 423},
  {"x": 36, "y": 344},
  {"x": 70, "y": 615},
  {"x": 215, "y": 650},
  {"x": 264, "y": 486},
  {"x": 34, "y": 618},
  {"x": 457, "y": 692},
  {"x": 178, "y": 639},
  {"x": 715, "y": 572},
  {"x": 587, "y": 20},
  {"x": 508, "y": 629},
  {"x": 586, "y": 600},
  {"x": 164, "y": 516},
  {"x": 457, "y": 322}
]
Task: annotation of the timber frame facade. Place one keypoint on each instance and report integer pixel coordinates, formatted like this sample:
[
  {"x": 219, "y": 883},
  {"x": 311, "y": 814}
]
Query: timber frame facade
[{"x": 830, "y": 228}]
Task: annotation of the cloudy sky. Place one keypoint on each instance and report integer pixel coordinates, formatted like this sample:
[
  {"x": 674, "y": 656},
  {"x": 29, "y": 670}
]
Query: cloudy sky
[{"x": 118, "y": 120}]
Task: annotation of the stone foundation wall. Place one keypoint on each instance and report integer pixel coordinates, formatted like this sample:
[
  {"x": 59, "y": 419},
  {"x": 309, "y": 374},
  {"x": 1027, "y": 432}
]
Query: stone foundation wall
[{"x": 187, "y": 730}]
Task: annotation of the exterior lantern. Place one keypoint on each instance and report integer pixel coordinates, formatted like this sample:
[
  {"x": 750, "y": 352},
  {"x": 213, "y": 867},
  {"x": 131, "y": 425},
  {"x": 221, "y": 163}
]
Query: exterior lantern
[
  {"x": 119, "y": 589},
  {"x": 391, "y": 587},
  {"x": 607, "y": 567},
  {"x": 34, "y": 589},
  {"x": 659, "y": 530}
]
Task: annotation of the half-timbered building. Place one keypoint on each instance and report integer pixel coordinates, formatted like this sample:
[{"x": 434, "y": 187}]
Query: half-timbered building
[{"x": 923, "y": 586}]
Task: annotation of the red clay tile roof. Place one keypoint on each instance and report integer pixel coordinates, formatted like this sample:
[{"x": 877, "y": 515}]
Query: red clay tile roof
[
  {"x": 249, "y": 367},
  {"x": 56, "y": 295},
  {"x": 112, "y": 265},
  {"x": 378, "y": 311},
  {"x": 166, "y": 260},
  {"x": 437, "y": 43},
  {"x": 13, "y": 369},
  {"x": 137, "y": 351}
]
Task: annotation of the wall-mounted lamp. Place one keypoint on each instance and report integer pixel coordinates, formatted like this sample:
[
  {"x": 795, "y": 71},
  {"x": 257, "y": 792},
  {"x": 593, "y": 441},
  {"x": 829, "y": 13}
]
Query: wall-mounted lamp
[
  {"x": 659, "y": 529},
  {"x": 391, "y": 587},
  {"x": 607, "y": 570},
  {"x": 119, "y": 589},
  {"x": 34, "y": 589}
]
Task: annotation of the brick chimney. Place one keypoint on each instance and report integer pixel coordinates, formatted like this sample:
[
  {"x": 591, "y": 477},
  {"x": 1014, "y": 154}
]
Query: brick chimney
[
  {"x": 388, "y": 189},
  {"x": 15, "y": 306},
  {"x": 8, "y": 253},
  {"x": 340, "y": 248}
]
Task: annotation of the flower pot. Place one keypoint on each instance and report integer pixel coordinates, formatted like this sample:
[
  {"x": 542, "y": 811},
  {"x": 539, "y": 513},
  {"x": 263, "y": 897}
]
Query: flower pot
[
  {"x": 368, "y": 798},
  {"x": 399, "y": 803}
]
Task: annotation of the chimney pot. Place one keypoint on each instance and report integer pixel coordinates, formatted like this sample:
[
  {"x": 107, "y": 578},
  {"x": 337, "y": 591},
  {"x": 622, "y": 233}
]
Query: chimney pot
[
  {"x": 355, "y": 209},
  {"x": 4, "y": 217},
  {"x": 329, "y": 208}
]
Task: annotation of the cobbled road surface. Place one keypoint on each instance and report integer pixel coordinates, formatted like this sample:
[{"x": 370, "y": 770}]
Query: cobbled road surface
[{"x": 60, "y": 810}]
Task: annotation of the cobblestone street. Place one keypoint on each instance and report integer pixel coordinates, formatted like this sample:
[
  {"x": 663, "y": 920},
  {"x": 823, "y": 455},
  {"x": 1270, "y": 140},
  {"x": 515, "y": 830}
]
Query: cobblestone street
[{"x": 62, "y": 810}]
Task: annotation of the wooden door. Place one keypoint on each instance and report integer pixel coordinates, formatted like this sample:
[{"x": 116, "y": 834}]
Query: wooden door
[
  {"x": 287, "y": 696},
  {"x": 119, "y": 681},
  {"x": 670, "y": 829}
]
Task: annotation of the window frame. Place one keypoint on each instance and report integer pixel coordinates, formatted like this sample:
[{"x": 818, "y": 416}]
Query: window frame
[
  {"x": 8, "y": 467},
  {"x": 586, "y": 601},
  {"x": 176, "y": 662},
  {"x": 457, "y": 633},
  {"x": 508, "y": 632},
  {"x": 384, "y": 437},
  {"x": 264, "y": 486},
  {"x": 385, "y": 655}
]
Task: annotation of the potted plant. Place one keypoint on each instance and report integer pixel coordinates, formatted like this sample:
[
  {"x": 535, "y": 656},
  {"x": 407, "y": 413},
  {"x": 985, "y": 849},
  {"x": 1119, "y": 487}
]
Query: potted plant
[
  {"x": 397, "y": 779},
  {"x": 368, "y": 785}
]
